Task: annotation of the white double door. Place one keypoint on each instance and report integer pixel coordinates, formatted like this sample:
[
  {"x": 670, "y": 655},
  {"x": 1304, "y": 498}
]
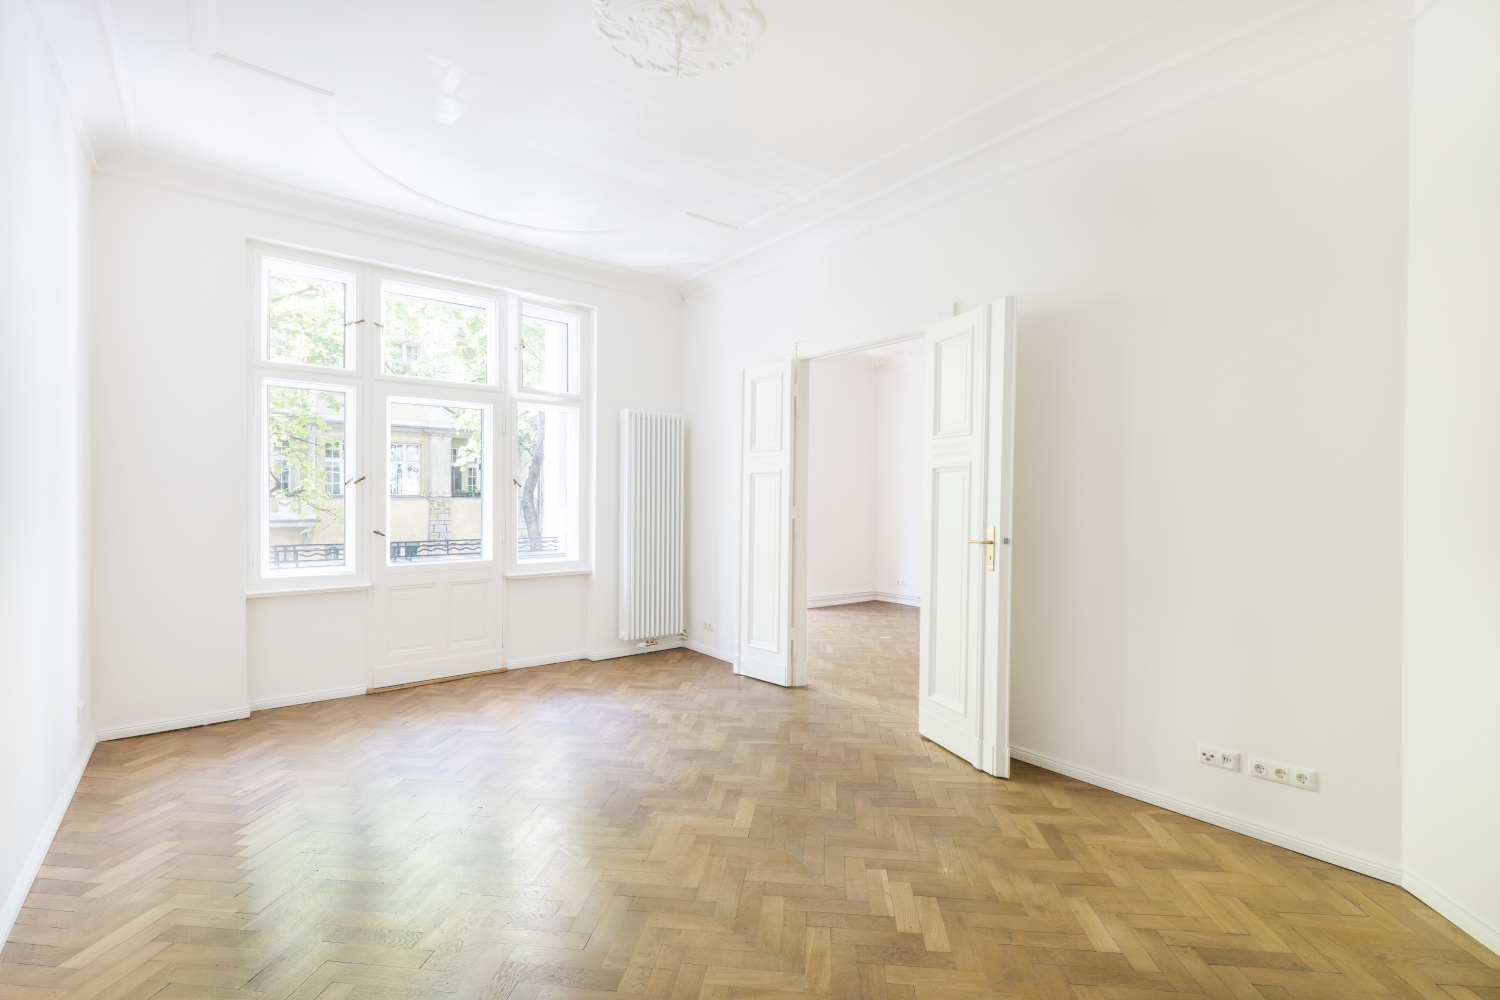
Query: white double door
[
  {"x": 439, "y": 592},
  {"x": 968, "y": 415}
]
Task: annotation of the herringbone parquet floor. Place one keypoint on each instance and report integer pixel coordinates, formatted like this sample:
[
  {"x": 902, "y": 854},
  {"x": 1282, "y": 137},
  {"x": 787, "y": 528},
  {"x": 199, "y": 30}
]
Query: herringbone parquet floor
[{"x": 660, "y": 828}]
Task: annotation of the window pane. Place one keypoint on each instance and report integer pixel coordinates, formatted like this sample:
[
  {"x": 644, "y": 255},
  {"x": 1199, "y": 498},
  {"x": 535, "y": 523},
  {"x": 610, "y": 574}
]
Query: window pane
[
  {"x": 305, "y": 319},
  {"x": 305, "y": 504},
  {"x": 433, "y": 448},
  {"x": 431, "y": 338},
  {"x": 544, "y": 354},
  {"x": 546, "y": 483}
]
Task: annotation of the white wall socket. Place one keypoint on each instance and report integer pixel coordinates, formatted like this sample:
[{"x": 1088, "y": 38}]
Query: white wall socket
[
  {"x": 708, "y": 626},
  {"x": 1227, "y": 759},
  {"x": 1286, "y": 774}
]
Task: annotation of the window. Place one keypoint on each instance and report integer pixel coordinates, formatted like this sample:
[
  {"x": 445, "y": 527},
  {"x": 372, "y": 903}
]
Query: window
[
  {"x": 304, "y": 511},
  {"x": 432, "y": 334},
  {"x": 305, "y": 314},
  {"x": 458, "y": 387},
  {"x": 548, "y": 351},
  {"x": 432, "y": 442},
  {"x": 546, "y": 494},
  {"x": 548, "y": 478},
  {"x": 333, "y": 467},
  {"x": 465, "y": 474},
  {"x": 406, "y": 470}
]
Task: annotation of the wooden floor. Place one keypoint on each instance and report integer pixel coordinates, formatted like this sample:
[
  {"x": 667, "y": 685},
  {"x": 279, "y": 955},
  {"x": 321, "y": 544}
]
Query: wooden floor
[{"x": 655, "y": 826}]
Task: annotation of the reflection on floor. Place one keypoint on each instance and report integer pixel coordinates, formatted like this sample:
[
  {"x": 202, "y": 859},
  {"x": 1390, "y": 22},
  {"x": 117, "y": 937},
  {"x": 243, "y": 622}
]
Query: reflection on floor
[
  {"x": 658, "y": 827},
  {"x": 866, "y": 653}
]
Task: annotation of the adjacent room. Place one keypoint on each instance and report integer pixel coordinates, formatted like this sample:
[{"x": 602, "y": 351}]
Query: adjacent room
[{"x": 740, "y": 499}]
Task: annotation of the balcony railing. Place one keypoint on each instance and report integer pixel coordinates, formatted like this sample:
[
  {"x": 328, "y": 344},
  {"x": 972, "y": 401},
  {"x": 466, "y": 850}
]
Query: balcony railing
[
  {"x": 534, "y": 548},
  {"x": 307, "y": 554},
  {"x": 332, "y": 553},
  {"x": 444, "y": 548}
]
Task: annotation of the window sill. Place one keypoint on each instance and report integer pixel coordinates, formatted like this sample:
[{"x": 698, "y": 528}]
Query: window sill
[
  {"x": 294, "y": 591},
  {"x": 523, "y": 574}
]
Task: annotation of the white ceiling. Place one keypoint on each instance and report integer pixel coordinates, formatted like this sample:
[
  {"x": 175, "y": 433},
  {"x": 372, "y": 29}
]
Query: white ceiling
[{"x": 515, "y": 118}]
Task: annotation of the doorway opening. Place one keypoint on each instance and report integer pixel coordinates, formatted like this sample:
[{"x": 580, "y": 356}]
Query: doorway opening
[{"x": 863, "y": 525}]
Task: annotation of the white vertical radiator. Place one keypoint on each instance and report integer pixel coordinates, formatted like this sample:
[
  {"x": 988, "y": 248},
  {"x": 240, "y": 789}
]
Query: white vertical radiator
[{"x": 651, "y": 525}]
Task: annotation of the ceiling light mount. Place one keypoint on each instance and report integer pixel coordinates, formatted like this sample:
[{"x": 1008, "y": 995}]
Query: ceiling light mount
[{"x": 680, "y": 37}]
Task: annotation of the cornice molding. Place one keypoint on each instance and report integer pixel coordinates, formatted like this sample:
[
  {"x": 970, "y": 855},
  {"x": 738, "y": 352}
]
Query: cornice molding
[
  {"x": 246, "y": 191},
  {"x": 1035, "y": 131}
]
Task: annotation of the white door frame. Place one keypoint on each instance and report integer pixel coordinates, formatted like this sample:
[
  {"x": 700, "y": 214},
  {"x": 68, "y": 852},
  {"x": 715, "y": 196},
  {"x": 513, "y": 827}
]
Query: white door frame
[
  {"x": 895, "y": 330},
  {"x": 892, "y": 331}
]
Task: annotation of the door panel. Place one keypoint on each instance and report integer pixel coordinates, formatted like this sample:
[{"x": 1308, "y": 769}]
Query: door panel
[
  {"x": 468, "y": 612},
  {"x": 965, "y": 621},
  {"x": 438, "y": 586},
  {"x": 765, "y": 639},
  {"x": 409, "y": 616}
]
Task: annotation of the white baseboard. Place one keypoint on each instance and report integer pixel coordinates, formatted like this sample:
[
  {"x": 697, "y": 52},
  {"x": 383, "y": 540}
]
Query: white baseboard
[
  {"x": 308, "y": 698},
  {"x": 597, "y": 654},
  {"x": 16, "y": 897},
  {"x": 1270, "y": 834},
  {"x": 543, "y": 661},
  {"x": 832, "y": 600},
  {"x": 675, "y": 642},
  {"x": 147, "y": 728},
  {"x": 707, "y": 650},
  {"x": 1461, "y": 915}
]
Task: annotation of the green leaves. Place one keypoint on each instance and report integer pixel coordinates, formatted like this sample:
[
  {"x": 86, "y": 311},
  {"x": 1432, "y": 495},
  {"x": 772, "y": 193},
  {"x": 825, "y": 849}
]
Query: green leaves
[
  {"x": 432, "y": 339},
  {"x": 299, "y": 422},
  {"x": 305, "y": 318}
]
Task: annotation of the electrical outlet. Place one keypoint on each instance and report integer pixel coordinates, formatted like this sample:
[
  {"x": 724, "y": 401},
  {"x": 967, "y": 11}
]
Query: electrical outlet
[
  {"x": 900, "y": 583},
  {"x": 81, "y": 707},
  {"x": 1285, "y": 774},
  {"x": 1227, "y": 759},
  {"x": 708, "y": 626}
]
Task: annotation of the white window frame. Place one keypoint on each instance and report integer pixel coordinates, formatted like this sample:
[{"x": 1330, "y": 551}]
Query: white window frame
[
  {"x": 365, "y": 382},
  {"x": 295, "y": 263},
  {"x": 268, "y": 575},
  {"x": 465, "y": 400},
  {"x": 445, "y": 291},
  {"x": 582, "y": 455}
]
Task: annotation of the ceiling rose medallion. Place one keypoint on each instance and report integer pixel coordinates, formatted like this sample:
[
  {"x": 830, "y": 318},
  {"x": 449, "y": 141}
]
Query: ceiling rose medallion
[{"x": 680, "y": 37}]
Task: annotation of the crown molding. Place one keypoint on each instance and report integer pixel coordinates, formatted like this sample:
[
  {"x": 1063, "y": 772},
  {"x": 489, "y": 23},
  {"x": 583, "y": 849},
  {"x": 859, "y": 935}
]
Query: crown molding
[
  {"x": 80, "y": 40},
  {"x": 1077, "y": 109},
  {"x": 190, "y": 177}
]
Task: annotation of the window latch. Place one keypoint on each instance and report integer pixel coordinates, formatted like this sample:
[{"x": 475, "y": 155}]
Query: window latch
[
  {"x": 354, "y": 482},
  {"x": 380, "y": 533},
  {"x": 356, "y": 322}
]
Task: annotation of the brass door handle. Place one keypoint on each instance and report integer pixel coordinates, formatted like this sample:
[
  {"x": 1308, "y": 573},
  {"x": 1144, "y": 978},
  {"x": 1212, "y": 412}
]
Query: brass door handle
[{"x": 989, "y": 540}]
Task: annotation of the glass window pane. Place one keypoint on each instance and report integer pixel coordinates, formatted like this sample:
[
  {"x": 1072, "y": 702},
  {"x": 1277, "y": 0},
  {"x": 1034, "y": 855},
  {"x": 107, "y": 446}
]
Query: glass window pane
[
  {"x": 306, "y": 318},
  {"x": 432, "y": 448},
  {"x": 546, "y": 483},
  {"x": 431, "y": 338},
  {"x": 545, "y": 344},
  {"x": 305, "y": 507}
]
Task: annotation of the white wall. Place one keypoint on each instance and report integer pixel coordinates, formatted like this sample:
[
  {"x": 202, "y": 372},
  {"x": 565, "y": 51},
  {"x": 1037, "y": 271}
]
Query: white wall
[
  {"x": 842, "y": 419},
  {"x": 45, "y": 734},
  {"x": 898, "y": 478},
  {"x": 864, "y": 465},
  {"x": 1208, "y": 439},
  {"x": 1451, "y": 690},
  {"x": 172, "y": 629}
]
